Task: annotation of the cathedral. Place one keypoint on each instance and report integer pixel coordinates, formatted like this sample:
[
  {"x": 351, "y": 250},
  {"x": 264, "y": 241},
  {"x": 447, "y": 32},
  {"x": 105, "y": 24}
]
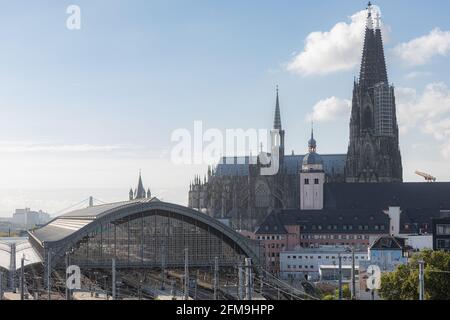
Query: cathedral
[{"x": 235, "y": 191}]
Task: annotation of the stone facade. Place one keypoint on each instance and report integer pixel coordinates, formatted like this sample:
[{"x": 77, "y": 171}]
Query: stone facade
[{"x": 374, "y": 152}]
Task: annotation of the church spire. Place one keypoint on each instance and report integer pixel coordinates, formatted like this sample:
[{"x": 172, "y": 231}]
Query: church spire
[
  {"x": 368, "y": 75},
  {"x": 381, "y": 60},
  {"x": 277, "y": 120},
  {"x": 140, "y": 191},
  {"x": 373, "y": 64},
  {"x": 369, "y": 17},
  {"x": 312, "y": 144}
]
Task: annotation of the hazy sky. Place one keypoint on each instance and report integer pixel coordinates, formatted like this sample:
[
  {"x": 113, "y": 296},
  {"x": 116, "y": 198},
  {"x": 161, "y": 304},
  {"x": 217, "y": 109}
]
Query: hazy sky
[{"x": 81, "y": 111}]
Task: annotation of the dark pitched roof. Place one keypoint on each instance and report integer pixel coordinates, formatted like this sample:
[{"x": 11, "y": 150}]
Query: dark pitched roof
[
  {"x": 383, "y": 195},
  {"x": 336, "y": 221},
  {"x": 360, "y": 208},
  {"x": 388, "y": 243},
  {"x": 272, "y": 224}
]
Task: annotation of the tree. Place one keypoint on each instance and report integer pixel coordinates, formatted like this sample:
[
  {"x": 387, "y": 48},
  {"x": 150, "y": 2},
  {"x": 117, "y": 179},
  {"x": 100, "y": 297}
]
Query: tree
[
  {"x": 403, "y": 283},
  {"x": 346, "y": 293}
]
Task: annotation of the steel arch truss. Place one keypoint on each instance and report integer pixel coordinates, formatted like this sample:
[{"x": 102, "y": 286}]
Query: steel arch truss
[{"x": 153, "y": 235}]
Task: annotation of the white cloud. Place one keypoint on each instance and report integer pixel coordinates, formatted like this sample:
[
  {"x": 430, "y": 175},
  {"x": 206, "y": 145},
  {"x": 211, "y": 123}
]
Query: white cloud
[
  {"x": 336, "y": 50},
  {"x": 330, "y": 109},
  {"x": 429, "y": 112},
  {"x": 421, "y": 50},
  {"x": 445, "y": 151},
  {"x": 417, "y": 74}
]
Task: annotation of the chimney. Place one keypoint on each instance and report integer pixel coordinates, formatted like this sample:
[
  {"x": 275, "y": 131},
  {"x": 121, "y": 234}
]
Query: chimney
[{"x": 394, "y": 220}]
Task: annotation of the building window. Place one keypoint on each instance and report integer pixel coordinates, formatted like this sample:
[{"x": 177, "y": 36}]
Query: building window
[
  {"x": 306, "y": 181},
  {"x": 443, "y": 244},
  {"x": 443, "y": 229},
  {"x": 316, "y": 181}
]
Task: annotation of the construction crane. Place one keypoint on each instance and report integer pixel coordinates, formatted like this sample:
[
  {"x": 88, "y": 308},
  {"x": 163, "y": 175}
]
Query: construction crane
[{"x": 426, "y": 176}]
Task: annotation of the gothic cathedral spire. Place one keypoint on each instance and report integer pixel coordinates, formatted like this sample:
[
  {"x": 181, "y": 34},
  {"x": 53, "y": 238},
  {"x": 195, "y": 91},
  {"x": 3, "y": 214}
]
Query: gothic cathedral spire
[
  {"x": 277, "y": 120},
  {"x": 374, "y": 152},
  {"x": 278, "y": 133}
]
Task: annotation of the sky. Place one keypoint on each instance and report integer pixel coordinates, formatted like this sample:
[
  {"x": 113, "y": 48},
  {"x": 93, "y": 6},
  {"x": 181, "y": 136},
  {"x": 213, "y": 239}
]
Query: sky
[{"x": 83, "y": 110}]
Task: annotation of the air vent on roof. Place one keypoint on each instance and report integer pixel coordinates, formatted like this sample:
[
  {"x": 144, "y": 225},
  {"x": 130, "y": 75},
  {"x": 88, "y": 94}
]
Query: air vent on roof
[{"x": 445, "y": 214}]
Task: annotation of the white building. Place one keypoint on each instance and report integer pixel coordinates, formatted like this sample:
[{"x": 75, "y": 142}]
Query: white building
[
  {"x": 420, "y": 242},
  {"x": 26, "y": 218},
  {"x": 312, "y": 179},
  {"x": 304, "y": 263}
]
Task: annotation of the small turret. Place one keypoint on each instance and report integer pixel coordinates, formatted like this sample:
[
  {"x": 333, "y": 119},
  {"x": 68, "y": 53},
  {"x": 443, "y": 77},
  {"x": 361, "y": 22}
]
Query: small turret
[
  {"x": 312, "y": 143},
  {"x": 131, "y": 194}
]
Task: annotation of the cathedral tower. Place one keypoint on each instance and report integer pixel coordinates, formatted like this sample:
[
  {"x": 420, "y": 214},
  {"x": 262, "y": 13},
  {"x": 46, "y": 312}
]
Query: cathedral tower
[{"x": 374, "y": 152}]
